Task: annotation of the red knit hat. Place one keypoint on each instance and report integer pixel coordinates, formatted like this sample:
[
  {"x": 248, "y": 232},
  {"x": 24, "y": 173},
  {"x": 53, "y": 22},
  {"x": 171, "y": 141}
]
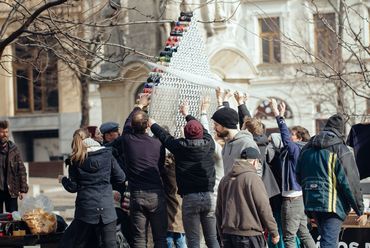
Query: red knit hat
[{"x": 193, "y": 130}]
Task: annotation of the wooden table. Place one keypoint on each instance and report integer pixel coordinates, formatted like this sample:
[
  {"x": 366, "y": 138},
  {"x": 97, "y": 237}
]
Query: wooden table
[{"x": 45, "y": 241}]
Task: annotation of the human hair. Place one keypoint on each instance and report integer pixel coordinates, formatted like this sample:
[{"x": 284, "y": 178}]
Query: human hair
[
  {"x": 4, "y": 124},
  {"x": 139, "y": 122},
  {"x": 79, "y": 150},
  {"x": 253, "y": 125},
  {"x": 301, "y": 133}
]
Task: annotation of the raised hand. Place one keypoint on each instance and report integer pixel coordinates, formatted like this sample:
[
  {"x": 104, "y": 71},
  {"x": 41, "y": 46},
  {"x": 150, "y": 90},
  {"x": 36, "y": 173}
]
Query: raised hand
[
  {"x": 144, "y": 100},
  {"x": 219, "y": 95},
  {"x": 282, "y": 109},
  {"x": 227, "y": 95},
  {"x": 184, "y": 108},
  {"x": 205, "y": 104},
  {"x": 240, "y": 97},
  {"x": 274, "y": 107}
]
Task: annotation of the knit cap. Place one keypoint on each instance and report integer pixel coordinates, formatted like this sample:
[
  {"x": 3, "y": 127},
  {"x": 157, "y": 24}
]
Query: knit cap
[
  {"x": 226, "y": 117},
  {"x": 89, "y": 142},
  {"x": 193, "y": 130}
]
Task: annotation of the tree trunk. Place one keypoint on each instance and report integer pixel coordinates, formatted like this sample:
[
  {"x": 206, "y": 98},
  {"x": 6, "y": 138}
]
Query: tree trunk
[
  {"x": 339, "y": 61},
  {"x": 85, "y": 117}
]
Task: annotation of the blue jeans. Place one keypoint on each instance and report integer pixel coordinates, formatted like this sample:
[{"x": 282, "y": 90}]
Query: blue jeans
[
  {"x": 236, "y": 241},
  {"x": 329, "y": 226},
  {"x": 199, "y": 209},
  {"x": 176, "y": 240},
  {"x": 294, "y": 222},
  {"x": 148, "y": 206}
]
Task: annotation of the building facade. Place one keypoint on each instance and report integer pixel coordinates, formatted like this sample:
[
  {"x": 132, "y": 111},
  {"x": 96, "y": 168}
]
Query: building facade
[{"x": 269, "y": 47}]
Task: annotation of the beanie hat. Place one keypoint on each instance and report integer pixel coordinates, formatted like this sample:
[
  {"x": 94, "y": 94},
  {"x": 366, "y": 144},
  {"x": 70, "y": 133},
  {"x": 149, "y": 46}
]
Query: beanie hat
[
  {"x": 193, "y": 130},
  {"x": 336, "y": 125},
  {"x": 89, "y": 142},
  {"x": 250, "y": 153},
  {"x": 226, "y": 117}
]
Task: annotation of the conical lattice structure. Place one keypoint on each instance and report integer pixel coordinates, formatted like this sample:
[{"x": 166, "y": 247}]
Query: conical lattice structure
[{"x": 184, "y": 52}]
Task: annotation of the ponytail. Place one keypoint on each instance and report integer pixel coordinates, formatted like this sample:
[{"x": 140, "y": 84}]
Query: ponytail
[{"x": 79, "y": 150}]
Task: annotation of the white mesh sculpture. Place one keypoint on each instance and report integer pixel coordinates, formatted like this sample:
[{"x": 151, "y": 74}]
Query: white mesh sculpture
[{"x": 185, "y": 54}]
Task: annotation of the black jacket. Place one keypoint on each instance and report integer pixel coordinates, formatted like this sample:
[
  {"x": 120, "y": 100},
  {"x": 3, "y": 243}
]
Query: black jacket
[
  {"x": 144, "y": 158},
  {"x": 195, "y": 167},
  {"x": 92, "y": 182}
]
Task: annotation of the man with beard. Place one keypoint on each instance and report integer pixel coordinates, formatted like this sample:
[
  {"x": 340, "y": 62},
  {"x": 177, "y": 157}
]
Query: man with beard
[
  {"x": 225, "y": 125},
  {"x": 13, "y": 177}
]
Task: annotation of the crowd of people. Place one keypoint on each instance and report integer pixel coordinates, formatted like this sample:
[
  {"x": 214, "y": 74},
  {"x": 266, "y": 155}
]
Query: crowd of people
[{"x": 239, "y": 188}]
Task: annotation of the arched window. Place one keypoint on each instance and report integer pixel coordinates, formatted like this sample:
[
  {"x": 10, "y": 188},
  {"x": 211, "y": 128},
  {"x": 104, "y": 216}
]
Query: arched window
[{"x": 264, "y": 110}]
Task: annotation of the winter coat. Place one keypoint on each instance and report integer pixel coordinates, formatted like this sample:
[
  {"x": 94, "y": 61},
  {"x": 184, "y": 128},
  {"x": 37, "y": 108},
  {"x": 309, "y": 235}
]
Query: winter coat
[
  {"x": 329, "y": 177},
  {"x": 242, "y": 204},
  {"x": 16, "y": 176},
  {"x": 174, "y": 201},
  {"x": 195, "y": 167},
  {"x": 92, "y": 182},
  {"x": 233, "y": 148}
]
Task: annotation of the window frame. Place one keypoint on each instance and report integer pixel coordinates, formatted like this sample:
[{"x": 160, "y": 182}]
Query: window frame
[
  {"x": 270, "y": 36},
  {"x": 326, "y": 31},
  {"x": 29, "y": 68}
]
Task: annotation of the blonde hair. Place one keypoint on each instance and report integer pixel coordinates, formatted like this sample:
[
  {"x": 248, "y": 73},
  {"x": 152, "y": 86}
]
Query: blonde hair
[
  {"x": 79, "y": 150},
  {"x": 253, "y": 125}
]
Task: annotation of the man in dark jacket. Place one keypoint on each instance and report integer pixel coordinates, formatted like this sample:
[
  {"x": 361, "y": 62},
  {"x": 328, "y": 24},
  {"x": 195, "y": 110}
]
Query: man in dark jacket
[
  {"x": 243, "y": 208},
  {"x": 144, "y": 158},
  {"x": 330, "y": 181},
  {"x": 195, "y": 176},
  {"x": 13, "y": 177}
]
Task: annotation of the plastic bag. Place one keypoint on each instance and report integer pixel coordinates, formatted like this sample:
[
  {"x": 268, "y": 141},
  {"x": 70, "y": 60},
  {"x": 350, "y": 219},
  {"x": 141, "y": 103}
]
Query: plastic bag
[{"x": 37, "y": 213}]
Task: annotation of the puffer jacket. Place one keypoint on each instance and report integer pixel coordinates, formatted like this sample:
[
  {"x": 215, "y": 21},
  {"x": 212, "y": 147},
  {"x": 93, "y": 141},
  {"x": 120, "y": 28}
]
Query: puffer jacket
[
  {"x": 195, "y": 166},
  {"x": 329, "y": 176},
  {"x": 234, "y": 148},
  {"x": 16, "y": 172},
  {"x": 92, "y": 181}
]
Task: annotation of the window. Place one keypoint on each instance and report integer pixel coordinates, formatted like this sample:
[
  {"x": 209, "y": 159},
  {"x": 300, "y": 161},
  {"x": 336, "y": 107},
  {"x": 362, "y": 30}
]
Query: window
[
  {"x": 270, "y": 36},
  {"x": 36, "y": 80},
  {"x": 326, "y": 42},
  {"x": 264, "y": 110}
]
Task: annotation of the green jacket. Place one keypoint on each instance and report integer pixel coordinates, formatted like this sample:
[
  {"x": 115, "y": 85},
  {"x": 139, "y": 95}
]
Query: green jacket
[{"x": 329, "y": 176}]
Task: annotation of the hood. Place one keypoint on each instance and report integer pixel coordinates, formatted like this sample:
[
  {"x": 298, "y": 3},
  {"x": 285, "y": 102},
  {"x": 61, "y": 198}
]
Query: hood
[
  {"x": 261, "y": 140},
  {"x": 91, "y": 163},
  {"x": 242, "y": 134},
  {"x": 276, "y": 140},
  {"x": 325, "y": 139},
  {"x": 241, "y": 166}
]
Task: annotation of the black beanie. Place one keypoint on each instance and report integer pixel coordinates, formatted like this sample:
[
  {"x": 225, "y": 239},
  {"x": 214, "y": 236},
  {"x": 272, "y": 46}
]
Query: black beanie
[
  {"x": 226, "y": 117},
  {"x": 336, "y": 125}
]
